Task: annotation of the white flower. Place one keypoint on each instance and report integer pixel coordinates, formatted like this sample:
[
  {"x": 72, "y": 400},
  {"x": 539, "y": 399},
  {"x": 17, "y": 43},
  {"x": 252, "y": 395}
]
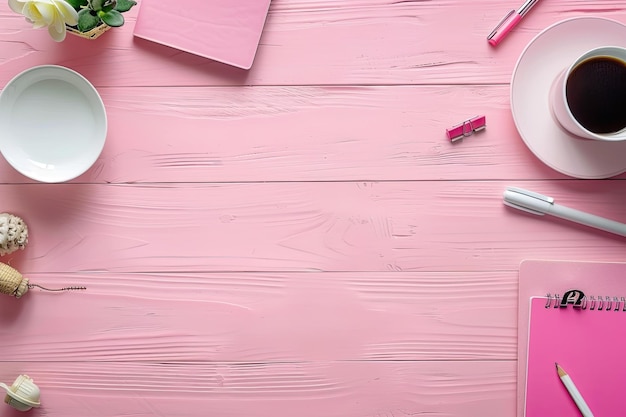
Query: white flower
[{"x": 53, "y": 14}]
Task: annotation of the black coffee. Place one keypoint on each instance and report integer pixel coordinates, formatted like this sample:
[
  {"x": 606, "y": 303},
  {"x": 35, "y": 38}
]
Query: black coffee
[{"x": 596, "y": 94}]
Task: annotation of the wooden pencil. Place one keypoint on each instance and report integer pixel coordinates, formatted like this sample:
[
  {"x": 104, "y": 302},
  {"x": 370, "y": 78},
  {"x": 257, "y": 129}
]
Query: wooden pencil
[{"x": 573, "y": 392}]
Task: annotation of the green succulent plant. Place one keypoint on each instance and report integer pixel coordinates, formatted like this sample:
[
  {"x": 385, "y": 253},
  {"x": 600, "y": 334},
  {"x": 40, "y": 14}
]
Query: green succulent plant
[{"x": 92, "y": 13}]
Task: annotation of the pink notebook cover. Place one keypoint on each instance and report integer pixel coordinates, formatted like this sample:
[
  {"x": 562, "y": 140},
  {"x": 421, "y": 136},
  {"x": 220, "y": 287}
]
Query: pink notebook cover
[
  {"x": 223, "y": 30},
  {"x": 590, "y": 346},
  {"x": 536, "y": 279}
]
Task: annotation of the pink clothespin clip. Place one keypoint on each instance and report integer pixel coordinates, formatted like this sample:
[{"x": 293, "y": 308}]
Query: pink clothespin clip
[{"x": 467, "y": 128}]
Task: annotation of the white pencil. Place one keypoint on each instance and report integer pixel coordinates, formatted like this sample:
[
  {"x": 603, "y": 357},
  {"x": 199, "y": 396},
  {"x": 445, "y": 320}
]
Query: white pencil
[{"x": 573, "y": 392}]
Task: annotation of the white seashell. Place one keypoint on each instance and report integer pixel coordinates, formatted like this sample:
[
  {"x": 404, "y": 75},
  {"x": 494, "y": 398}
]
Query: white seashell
[{"x": 13, "y": 233}]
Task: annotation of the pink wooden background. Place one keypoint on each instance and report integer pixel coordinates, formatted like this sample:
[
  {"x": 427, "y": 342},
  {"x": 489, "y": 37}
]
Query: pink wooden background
[{"x": 299, "y": 239}]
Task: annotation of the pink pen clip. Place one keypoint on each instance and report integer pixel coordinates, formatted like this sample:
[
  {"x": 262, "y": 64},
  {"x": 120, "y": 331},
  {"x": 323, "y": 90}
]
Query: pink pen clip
[{"x": 467, "y": 128}]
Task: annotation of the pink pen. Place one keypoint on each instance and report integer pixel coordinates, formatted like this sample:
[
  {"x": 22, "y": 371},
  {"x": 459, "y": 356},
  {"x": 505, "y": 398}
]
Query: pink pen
[{"x": 509, "y": 22}]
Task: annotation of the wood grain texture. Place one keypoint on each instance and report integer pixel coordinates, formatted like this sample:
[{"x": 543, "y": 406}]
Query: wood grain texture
[
  {"x": 333, "y": 389},
  {"x": 308, "y": 42},
  {"x": 264, "y": 317},
  {"x": 301, "y": 134},
  {"x": 226, "y": 134},
  {"x": 360, "y": 226}
]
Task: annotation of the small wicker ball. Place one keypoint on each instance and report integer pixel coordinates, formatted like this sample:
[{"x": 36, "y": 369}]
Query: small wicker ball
[
  {"x": 13, "y": 233},
  {"x": 12, "y": 282}
]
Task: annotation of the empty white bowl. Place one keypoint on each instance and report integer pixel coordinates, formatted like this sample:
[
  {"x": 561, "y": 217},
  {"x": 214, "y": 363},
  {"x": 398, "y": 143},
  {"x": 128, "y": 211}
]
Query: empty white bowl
[{"x": 52, "y": 123}]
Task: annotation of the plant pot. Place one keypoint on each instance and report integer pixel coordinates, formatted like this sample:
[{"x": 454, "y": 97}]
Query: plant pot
[{"x": 92, "y": 34}]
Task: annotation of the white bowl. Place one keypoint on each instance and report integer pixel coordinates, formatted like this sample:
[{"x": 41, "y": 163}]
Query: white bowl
[{"x": 52, "y": 123}]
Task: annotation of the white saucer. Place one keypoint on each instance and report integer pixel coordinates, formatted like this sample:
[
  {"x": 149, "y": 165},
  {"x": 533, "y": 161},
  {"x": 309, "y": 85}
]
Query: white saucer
[
  {"x": 549, "y": 53},
  {"x": 52, "y": 123}
]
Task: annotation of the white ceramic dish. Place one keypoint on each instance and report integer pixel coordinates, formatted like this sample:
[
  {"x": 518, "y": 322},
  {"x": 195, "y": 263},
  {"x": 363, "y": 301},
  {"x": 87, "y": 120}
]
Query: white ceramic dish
[
  {"x": 52, "y": 123},
  {"x": 549, "y": 53}
]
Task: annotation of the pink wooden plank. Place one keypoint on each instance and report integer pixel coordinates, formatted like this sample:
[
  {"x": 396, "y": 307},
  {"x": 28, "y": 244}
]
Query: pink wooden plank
[
  {"x": 306, "y": 134},
  {"x": 305, "y": 42},
  {"x": 264, "y": 317},
  {"x": 332, "y": 389},
  {"x": 360, "y": 226}
]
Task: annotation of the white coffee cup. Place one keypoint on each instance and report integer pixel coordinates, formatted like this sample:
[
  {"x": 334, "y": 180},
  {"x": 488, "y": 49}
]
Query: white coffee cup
[{"x": 562, "y": 109}]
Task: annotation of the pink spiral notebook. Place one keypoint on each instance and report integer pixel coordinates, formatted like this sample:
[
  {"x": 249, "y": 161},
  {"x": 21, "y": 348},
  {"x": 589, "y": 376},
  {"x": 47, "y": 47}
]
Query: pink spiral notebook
[
  {"x": 228, "y": 31},
  {"x": 588, "y": 341}
]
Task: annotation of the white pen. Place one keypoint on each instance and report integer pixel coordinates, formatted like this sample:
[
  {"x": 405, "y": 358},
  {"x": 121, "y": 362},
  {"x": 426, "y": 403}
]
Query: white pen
[
  {"x": 573, "y": 392},
  {"x": 539, "y": 204}
]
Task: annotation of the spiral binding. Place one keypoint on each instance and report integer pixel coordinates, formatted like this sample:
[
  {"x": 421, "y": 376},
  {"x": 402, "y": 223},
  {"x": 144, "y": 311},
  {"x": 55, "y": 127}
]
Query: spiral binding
[{"x": 579, "y": 300}]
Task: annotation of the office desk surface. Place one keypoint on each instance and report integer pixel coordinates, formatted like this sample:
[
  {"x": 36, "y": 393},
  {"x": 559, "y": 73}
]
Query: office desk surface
[{"x": 300, "y": 239}]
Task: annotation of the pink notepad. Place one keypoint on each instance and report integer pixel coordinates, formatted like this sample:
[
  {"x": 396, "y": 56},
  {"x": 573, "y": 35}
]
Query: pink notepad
[
  {"x": 589, "y": 344},
  {"x": 223, "y": 30}
]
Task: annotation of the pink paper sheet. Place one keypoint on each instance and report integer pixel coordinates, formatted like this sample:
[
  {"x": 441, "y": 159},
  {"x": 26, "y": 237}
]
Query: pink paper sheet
[
  {"x": 537, "y": 278},
  {"x": 224, "y": 30},
  {"x": 589, "y": 345}
]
